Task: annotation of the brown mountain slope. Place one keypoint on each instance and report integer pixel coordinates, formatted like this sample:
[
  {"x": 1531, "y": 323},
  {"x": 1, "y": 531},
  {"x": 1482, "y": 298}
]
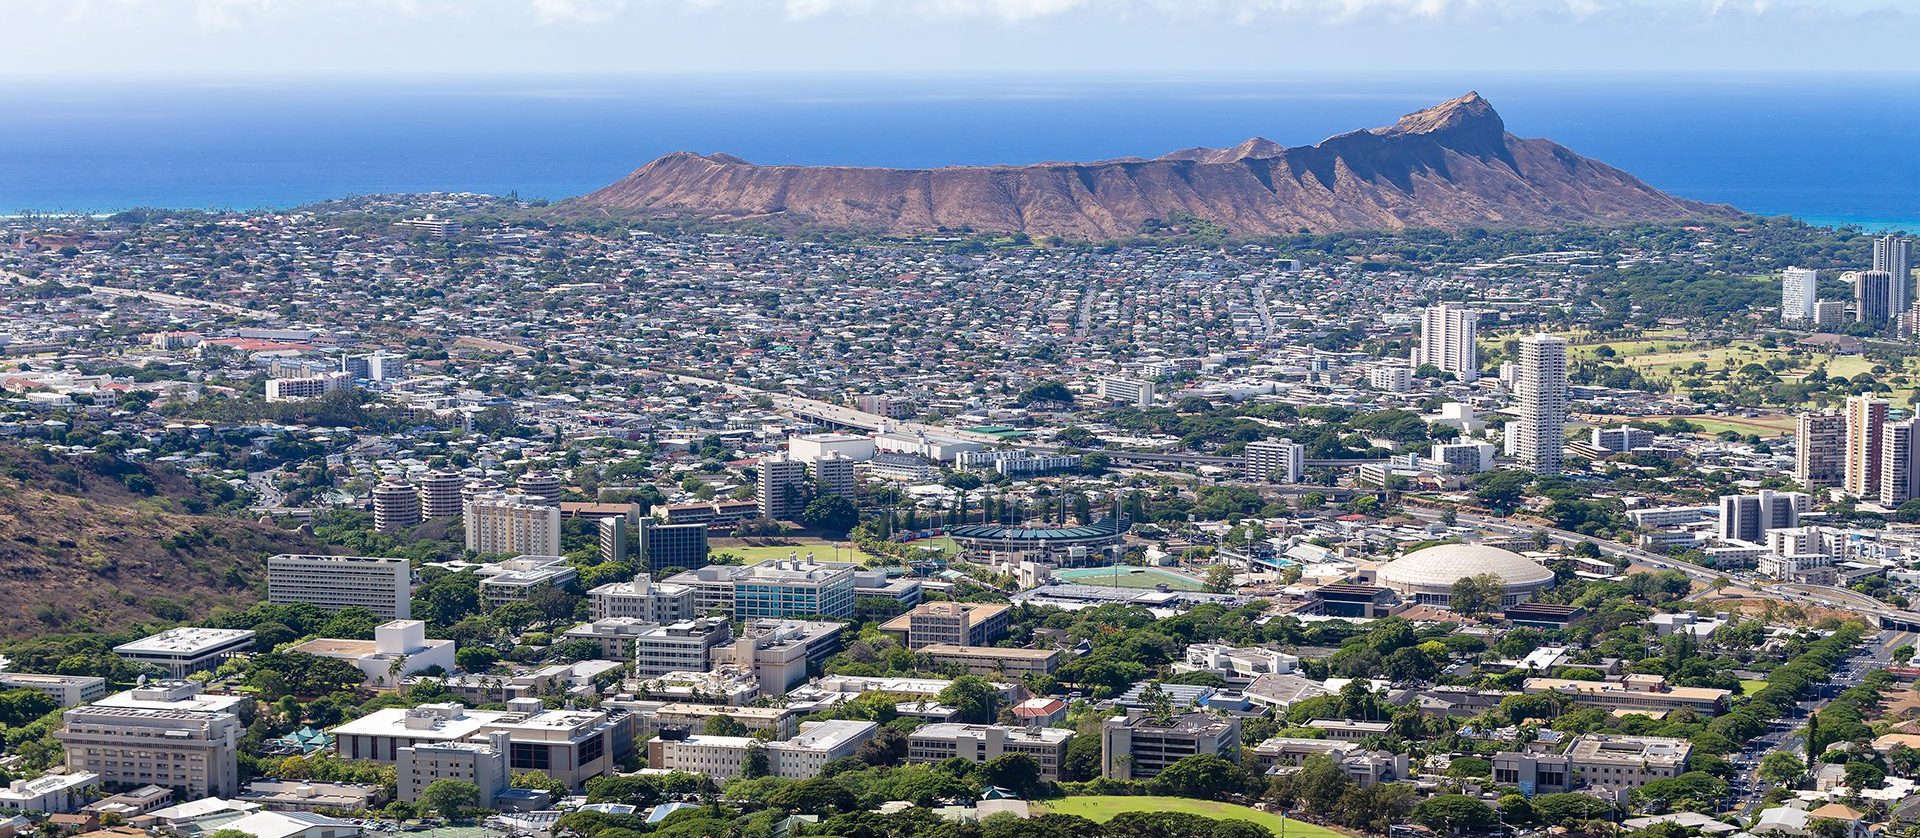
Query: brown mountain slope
[
  {"x": 78, "y": 550},
  {"x": 1449, "y": 166}
]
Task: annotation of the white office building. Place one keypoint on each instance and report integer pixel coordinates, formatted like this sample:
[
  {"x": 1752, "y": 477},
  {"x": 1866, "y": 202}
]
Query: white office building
[
  {"x": 378, "y": 584},
  {"x": 1391, "y": 378},
  {"x": 1798, "y": 293},
  {"x": 724, "y": 757},
  {"x": 642, "y": 598},
  {"x": 181, "y": 651},
  {"x": 1538, "y": 436},
  {"x": 1448, "y": 335},
  {"x": 1134, "y": 391}
]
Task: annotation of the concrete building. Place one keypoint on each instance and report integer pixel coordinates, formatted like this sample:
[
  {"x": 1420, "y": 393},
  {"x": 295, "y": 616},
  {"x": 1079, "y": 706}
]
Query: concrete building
[
  {"x": 571, "y": 746},
  {"x": 1866, "y": 428},
  {"x": 182, "y": 651},
  {"x": 1609, "y": 761},
  {"x": 776, "y": 589},
  {"x": 1276, "y": 460},
  {"x": 1236, "y": 666},
  {"x": 1820, "y": 449},
  {"x": 312, "y": 796},
  {"x": 1621, "y": 439},
  {"x": 833, "y": 475},
  {"x": 613, "y": 636},
  {"x": 612, "y": 536},
  {"x": 1135, "y": 747},
  {"x": 1829, "y": 314},
  {"x": 993, "y": 660},
  {"x": 1449, "y": 335},
  {"x": 381, "y": 585},
  {"x": 69, "y": 690},
  {"x": 542, "y": 487},
  {"x": 483, "y": 764},
  {"x": 1750, "y": 517},
  {"x": 1899, "y": 472},
  {"x": 1873, "y": 301},
  {"x": 50, "y": 794},
  {"x": 1799, "y": 290},
  {"x": 398, "y": 649},
  {"x": 440, "y": 493},
  {"x": 981, "y": 743},
  {"x": 164, "y": 734},
  {"x": 949, "y": 623},
  {"x": 1464, "y": 456},
  {"x": 783, "y": 488},
  {"x": 1648, "y": 693},
  {"x": 1893, "y": 256},
  {"x": 313, "y": 387},
  {"x": 375, "y": 366},
  {"x": 516, "y": 578},
  {"x": 810, "y": 448},
  {"x": 396, "y": 505},
  {"x": 665, "y": 547},
  {"x": 515, "y": 525},
  {"x": 1391, "y": 377},
  {"x": 778, "y": 652},
  {"x": 724, "y": 757},
  {"x": 653, "y": 717},
  {"x": 1427, "y": 576},
  {"x": 1538, "y": 437},
  {"x": 682, "y": 646},
  {"x": 1134, "y": 391},
  {"x": 642, "y": 599}
]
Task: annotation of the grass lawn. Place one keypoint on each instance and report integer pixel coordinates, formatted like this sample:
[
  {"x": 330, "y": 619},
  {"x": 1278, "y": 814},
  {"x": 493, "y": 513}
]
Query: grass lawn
[
  {"x": 1749, "y": 687},
  {"x": 1123, "y": 576},
  {"x": 1102, "y": 808},
  {"x": 821, "y": 550},
  {"x": 1766, "y": 425}
]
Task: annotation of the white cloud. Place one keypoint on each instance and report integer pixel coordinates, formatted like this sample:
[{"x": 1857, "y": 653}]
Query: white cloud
[{"x": 561, "y": 12}]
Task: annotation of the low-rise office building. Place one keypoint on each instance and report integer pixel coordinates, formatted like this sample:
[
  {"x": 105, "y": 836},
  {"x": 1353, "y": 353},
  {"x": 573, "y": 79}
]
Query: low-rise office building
[
  {"x": 182, "y": 651},
  {"x": 51, "y": 794},
  {"x": 724, "y": 757},
  {"x": 1649, "y": 693},
  {"x": 949, "y": 623},
  {"x": 642, "y": 599},
  {"x": 994, "y": 660},
  {"x": 1611, "y": 761},
  {"x": 398, "y": 649},
  {"x": 69, "y": 690},
  {"x": 683, "y": 646},
  {"x": 482, "y": 763},
  {"x": 981, "y": 743},
  {"x": 312, "y": 796},
  {"x": 779, "y": 652}
]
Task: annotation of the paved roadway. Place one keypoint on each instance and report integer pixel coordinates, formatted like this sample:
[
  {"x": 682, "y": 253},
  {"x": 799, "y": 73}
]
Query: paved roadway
[{"x": 830, "y": 412}]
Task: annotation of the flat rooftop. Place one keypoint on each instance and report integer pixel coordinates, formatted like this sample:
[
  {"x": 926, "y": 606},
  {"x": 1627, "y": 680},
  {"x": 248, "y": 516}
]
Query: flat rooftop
[
  {"x": 990, "y": 652},
  {"x": 186, "y": 641}
]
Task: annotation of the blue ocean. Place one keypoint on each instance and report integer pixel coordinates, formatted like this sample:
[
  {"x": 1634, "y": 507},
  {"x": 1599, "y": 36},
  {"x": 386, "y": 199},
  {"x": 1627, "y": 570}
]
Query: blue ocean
[{"x": 1832, "y": 150}]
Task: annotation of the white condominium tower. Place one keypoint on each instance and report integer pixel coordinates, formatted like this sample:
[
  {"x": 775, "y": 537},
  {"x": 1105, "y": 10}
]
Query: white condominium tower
[
  {"x": 1894, "y": 255},
  {"x": 1798, "y": 294},
  {"x": 1447, "y": 335},
  {"x": 1538, "y": 437}
]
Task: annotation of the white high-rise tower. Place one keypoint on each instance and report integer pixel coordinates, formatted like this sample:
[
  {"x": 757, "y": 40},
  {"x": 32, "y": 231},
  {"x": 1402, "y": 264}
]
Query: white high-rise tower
[
  {"x": 1447, "y": 340},
  {"x": 1798, "y": 293},
  {"x": 1894, "y": 255},
  {"x": 1538, "y": 437}
]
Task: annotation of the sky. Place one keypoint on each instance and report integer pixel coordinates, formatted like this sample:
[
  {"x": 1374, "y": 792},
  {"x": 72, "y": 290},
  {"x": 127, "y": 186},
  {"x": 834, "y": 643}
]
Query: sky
[{"x": 252, "y": 39}]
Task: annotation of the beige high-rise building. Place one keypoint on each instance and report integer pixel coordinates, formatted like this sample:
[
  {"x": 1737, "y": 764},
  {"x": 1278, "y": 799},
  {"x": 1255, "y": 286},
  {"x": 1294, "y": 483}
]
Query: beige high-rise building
[
  {"x": 1899, "y": 473},
  {"x": 783, "y": 488},
  {"x": 512, "y": 524},
  {"x": 440, "y": 493},
  {"x": 1538, "y": 437},
  {"x": 396, "y": 505},
  {"x": 164, "y": 734},
  {"x": 1820, "y": 449},
  {"x": 378, "y": 584},
  {"x": 1866, "y": 426}
]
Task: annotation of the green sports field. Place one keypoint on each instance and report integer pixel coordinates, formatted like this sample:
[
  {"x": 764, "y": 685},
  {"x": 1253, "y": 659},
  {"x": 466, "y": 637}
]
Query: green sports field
[{"x": 1103, "y": 808}]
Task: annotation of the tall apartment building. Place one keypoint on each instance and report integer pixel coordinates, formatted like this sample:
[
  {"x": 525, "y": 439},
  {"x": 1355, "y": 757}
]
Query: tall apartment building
[
  {"x": 163, "y": 734},
  {"x": 1820, "y": 449},
  {"x": 1893, "y": 255},
  {"x": 1134, "y": 391},
  {"x": 978, "y": 744},
  {"x": 1538, "y": 436},
  {"x": 1899, "y": 473},
  {"x": 833, "y": 474},
  {"x": 1448, "y": 340},
  {"x": 1866, "y": 426},
  {"x": 1750, "y": 517},
  {"x": 293, "y": 389},
  {"x": 378, "y": 584},
  {"x": 613, "y": 539},
  {"x": 377, "y": 366},
  {"x": 1391, "y": 377},
  {"x": 483, "y": 764},
  {"x": 1621, "y": 439},
  {"x": 783, "y": 488},
  {"x": 1276, "y": 460},
  {"x": 1798, "y": 292},
  {"x": 1873, "y": 296},
  {"x": 664, "y": 547},
  {"x": 541, "y": 487},
  {"x": 643, "y": 599},
  {"x": 512, "y": 524},
  {"x": 1135, "y": 747},
  {"x": 440, "y": 493},
  {"x": 396, "y": 505}
]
